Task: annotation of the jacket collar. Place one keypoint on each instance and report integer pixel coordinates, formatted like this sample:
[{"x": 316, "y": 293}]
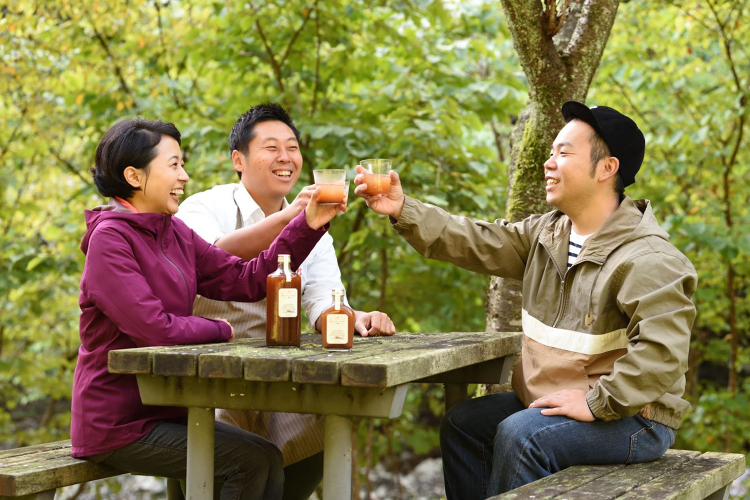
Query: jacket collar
[
  {"x": 620, "y": 227},
  {"x": 151, "y": 223},
  {"x": 117, "y": 205},
  {"x": 624, "y": 225}
]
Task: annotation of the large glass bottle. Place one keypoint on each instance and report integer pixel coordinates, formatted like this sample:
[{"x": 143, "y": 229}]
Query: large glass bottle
[
  {"x": 283, "y": 318},
  {"x": 337, "y": 324}
]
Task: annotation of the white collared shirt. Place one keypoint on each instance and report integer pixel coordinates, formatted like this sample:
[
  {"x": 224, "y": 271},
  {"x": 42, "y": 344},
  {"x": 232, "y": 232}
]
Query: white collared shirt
[{"x": 213, "y": 214}]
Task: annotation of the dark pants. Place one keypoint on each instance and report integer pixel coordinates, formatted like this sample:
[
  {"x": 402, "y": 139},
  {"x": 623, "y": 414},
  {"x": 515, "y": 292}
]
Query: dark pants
[
  {"x": 494, "y": 444},
  {"x": 303, "y": 477},
  {"x": 249, "y": 467}
]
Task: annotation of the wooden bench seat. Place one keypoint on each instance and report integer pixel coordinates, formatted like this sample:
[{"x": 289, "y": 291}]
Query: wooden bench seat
[
  {"x": 35, "y": 472},
  {"x": 679, "y": 474}
]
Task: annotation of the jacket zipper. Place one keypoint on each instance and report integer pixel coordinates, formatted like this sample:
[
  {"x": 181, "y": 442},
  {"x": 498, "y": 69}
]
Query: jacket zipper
[
  {"x": 562, "y": 285},
  {"x": 161, "y": 247},
  {"x": 563, "y": 282},
  {"x": 563, "y": 302}
]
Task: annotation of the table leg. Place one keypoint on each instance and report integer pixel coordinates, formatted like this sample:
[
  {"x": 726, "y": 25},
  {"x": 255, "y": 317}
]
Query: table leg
[
  {"x": 720, "y": 494},
  {"x": 337, "y": 458},
  {"x": 454, "y": 394},
  {"x": 200, "y": 454},
  {"x": 174, "y": 491}
]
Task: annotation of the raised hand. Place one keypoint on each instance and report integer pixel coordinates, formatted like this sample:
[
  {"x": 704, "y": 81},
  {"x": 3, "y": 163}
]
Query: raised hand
[
  {"x": 318, "y": 215},
  {"x": 390, "y": 204},
  {"x": 300, "y": 202}
]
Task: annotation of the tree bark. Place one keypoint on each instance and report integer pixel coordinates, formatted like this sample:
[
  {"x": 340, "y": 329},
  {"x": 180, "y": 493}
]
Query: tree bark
[{"x": 558, "y": 68}]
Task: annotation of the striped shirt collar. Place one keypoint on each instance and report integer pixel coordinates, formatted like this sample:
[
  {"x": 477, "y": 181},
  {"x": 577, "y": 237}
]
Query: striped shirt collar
[{"x": 575, "y": 244}]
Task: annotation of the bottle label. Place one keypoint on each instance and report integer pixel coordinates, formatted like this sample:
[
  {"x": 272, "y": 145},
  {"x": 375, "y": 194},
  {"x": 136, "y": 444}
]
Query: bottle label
[
  {"x": 287, "y": 303},
  {"x": 337, "y": 329}
]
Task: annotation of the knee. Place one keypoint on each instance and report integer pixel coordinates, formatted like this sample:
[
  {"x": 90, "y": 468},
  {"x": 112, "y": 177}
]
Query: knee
[
  {"x": 276, "y": 458},
  {"x": 276, "y": 469},
  {"x": 261, "y": 457},
  {"x": 456, "y": 418},
  {"x": 274, "y": 463},
  {"x": 516, "y": 432}
]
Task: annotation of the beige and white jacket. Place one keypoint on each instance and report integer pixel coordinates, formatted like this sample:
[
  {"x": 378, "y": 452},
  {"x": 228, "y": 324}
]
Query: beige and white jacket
[{"x": 616, "y": 324}]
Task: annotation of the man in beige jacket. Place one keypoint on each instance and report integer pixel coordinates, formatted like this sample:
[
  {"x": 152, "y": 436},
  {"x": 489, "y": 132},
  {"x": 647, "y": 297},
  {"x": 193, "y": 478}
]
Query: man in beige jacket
[{"x": 607, "y": 314}]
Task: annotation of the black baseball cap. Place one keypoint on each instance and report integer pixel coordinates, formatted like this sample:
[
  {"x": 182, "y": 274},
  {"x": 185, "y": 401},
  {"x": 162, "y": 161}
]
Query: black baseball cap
[{"x": 622, "y": 135}]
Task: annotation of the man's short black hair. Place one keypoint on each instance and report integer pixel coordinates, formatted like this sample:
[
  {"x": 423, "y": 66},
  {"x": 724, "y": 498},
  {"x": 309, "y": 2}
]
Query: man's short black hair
[
  {"x": 243, "y": 130},
  {"x": 129, "y": 143},
  {"x": 599, "y": 150}
]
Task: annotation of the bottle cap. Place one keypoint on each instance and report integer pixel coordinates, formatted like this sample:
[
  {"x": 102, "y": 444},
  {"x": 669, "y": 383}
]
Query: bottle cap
[
  {"x": 285, "y": 257},
  {"x": 338, "y": 296}
]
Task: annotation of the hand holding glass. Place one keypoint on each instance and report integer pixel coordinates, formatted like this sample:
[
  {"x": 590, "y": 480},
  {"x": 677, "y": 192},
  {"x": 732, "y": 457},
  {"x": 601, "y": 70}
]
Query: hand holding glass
[{"x": 377, "y": 179}]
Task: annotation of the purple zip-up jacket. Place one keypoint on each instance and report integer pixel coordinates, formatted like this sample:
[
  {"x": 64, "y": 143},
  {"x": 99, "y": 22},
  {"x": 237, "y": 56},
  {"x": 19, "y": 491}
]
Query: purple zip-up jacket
[{"x": 141, "y": 276}]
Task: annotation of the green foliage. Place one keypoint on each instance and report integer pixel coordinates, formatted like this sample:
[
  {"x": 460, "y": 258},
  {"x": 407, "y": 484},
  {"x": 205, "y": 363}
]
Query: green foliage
[
  {"x": 431, "y": 84},
  {"x": 410, "y": 82}
]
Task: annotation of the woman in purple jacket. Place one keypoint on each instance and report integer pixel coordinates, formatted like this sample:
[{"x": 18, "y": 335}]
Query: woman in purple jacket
[{"x": 143, "y": 270}]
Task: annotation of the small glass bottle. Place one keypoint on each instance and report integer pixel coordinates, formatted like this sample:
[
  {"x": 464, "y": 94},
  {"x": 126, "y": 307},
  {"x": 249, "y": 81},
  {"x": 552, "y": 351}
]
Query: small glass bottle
[
  {"x": 337, "y": 324},
  {"x": 283, "y": 318}
]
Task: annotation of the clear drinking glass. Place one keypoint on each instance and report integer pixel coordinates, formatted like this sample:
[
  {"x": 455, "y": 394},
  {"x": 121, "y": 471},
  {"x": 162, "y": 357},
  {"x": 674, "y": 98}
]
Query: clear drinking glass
[
  {"x": 333, "y": 185},
  {"x": 376, "y": 176}
]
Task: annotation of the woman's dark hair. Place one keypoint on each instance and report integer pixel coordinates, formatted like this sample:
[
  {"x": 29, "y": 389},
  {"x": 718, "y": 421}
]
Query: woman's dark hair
[
  {"x": 243, "y": 131},
  {"x": 129, "y": 143}
]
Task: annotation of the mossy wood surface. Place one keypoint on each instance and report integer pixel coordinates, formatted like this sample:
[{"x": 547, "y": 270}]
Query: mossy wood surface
[
  {"x": 239, "y": 394},
  {"x": 679, "y": 474},
  {"x": 373, "y": 362},
  {"x": 25, "y": 471}
]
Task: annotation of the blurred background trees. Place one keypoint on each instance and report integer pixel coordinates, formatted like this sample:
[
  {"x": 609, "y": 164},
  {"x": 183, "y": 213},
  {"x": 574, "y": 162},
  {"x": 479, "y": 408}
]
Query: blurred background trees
[{"x": 437, "y": 86}]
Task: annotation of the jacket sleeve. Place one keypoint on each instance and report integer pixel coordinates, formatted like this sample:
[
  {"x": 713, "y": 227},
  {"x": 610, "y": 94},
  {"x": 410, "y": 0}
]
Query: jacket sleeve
[
  {"x": 655, "y": 292},
  {"x": 113, "y": 281},
  {"x": 223, "y": 276},
  {"x": 497, "y": 248}
]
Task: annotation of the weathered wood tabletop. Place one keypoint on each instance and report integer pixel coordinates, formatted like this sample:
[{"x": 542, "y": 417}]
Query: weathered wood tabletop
[{"x": 369, "y": 381}]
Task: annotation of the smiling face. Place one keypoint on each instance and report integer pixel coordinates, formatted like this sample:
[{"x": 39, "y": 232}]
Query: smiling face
[
  {"x": 161, "y": 184},
  {"x": 570, "y": 185},
  {"x": 272, "y": 164}
]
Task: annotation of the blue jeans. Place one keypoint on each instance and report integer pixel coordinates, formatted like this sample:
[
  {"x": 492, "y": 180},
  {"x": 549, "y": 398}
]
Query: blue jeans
[
  {"x": 494, "y": 444},
  {"x": 250, "y": 467}
]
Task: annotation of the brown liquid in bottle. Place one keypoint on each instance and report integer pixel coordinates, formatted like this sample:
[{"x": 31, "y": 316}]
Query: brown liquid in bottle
[
  {"x": 283, "y": 301},
  {"x": 337, "y": 324}
]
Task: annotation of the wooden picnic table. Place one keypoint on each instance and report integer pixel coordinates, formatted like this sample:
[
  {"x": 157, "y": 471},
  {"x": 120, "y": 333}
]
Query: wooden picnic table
[{"x": 369, "y": 381}]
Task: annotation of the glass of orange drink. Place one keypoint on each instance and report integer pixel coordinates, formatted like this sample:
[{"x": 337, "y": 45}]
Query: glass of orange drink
[
  {"x": 333, "y": 185},
  {"x": 376, "y": 175}
]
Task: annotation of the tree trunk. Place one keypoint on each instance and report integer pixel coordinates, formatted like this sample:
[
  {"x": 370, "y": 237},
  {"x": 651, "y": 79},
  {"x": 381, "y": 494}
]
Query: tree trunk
[{"x": 559, "y": 66}]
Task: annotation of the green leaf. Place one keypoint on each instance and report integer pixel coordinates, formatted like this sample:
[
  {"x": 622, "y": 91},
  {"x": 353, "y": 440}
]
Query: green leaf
[
  {"x": 435, "y": 200},
  {"x": 35, "y": 262},
  {"x": 424, "y": 125}
]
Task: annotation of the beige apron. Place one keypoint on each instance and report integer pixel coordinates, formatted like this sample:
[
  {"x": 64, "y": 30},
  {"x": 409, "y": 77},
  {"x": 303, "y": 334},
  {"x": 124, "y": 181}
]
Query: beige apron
[{"x": 297, "y": 435}]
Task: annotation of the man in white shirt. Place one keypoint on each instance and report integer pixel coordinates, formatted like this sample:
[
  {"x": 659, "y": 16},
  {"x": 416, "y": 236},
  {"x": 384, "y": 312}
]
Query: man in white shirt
[{"x": 244, "y": 219}]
